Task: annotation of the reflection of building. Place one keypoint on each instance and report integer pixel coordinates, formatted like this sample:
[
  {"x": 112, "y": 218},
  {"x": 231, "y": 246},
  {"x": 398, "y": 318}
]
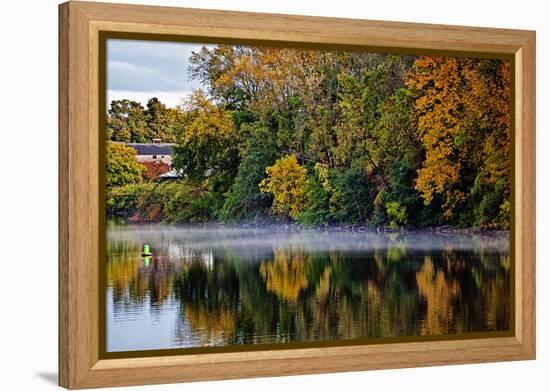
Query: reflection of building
[
  {"x": 207, "y": 258},
  {"x": 188, "y": 255}
]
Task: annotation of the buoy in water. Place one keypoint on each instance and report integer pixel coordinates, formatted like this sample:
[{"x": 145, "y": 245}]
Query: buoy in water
[{"x": 146, "y": 251}]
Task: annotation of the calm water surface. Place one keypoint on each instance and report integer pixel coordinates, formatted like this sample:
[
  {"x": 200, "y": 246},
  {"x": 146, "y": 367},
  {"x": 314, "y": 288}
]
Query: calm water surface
[{"x": 215, "y": 287}]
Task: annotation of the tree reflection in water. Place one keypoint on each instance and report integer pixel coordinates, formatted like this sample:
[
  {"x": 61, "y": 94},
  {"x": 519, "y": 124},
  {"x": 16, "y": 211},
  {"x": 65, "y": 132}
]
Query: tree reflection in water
[{"x": 293, "y": 292}]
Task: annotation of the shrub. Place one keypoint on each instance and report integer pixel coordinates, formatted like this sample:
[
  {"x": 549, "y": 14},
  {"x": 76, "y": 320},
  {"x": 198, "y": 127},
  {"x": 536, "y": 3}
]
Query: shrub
[
  {"x": 121, "y": 166},
  {"x": 397, "y": 214},
  {"x": 176, "y": 202}
]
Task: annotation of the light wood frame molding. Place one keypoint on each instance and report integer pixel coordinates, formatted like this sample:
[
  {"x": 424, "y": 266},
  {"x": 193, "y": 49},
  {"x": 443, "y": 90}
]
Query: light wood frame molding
[{"x": 80, "y": 24}]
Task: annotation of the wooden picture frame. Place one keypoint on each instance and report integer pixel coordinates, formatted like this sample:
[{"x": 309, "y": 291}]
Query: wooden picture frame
[{"x": 80, "y": 27}]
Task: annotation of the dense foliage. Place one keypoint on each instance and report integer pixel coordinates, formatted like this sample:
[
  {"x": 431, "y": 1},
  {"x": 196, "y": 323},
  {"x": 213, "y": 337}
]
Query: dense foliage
[
  {"x": 121, "y": 167},
  {"x": 128, "y": 121},
  {"x": 172, "y": 202},
  {"x": 322, "y": 137}
]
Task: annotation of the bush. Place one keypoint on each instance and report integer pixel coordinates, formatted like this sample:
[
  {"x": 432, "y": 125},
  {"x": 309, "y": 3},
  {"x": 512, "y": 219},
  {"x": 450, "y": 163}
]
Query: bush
[
  {"x": 397, "y": 214},
  {"x": 489, "y": 206},
  {"x": 123, "y": 200},
  {"x": 175, "y": 202},
  {"x": 121, "y": 166}
]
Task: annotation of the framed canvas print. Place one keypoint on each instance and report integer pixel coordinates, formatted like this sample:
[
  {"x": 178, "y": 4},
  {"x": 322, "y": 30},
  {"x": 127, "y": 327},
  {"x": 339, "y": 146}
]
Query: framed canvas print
[{"x": 247, "y": 195}]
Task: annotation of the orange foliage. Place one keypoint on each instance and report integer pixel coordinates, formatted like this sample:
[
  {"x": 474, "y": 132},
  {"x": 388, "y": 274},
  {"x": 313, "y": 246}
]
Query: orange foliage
[
  {"x": 269, "y": 75},
  {"x": 154, "y": 169},
  {"x": 462, "y": 107}
]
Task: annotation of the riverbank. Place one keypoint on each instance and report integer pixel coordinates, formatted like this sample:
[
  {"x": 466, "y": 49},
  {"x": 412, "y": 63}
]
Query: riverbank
[{"x": 294, "y": 227}]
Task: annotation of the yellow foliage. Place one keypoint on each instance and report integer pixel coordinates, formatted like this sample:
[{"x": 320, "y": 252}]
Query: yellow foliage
[
  {"x": 204, "y": 120},
  {"x": 126, "y": 275},
  {"x": 268, "y": 74},
  {"x": 463, "y": 118},
  {"x": 122, "y": 272},
  {"x": 322, "y": 172},
  {"x": 286, "y": 180}
]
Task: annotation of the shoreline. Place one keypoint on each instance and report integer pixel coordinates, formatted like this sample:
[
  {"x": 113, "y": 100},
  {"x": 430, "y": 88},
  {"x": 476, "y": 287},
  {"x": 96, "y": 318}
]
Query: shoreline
[{"x": 293, "y": 227}]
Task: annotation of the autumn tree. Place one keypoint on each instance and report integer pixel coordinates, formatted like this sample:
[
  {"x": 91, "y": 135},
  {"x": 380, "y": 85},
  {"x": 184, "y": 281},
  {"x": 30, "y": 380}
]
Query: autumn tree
[
  {"x": 489, "y": 106},
  {"x": 280, "y": 88},
  {"x": 286, "y": 180},
  {"x": 462, "y": 109},
  {"x": 154, "y": 169},
  {"x": 208, "y": 149},
  {"x": 362, "y": 138}
]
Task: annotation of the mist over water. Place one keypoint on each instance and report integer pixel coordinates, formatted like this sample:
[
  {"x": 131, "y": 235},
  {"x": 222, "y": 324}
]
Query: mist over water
[
  {"x": 238, "y": 286},
  {"x": 260, "y": 240}
]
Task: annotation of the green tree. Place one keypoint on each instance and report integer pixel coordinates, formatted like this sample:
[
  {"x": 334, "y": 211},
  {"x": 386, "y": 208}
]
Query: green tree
[
  {"x": 245, "y": 200},
  {"x": 121, "y": 166},
  {"x": 353, "y": 198},
  {"x": 162, "y": 122},
  {"x": 365, "y": 87},
  {"x": 318, "y": 191},
  {"x": 395, "y": 140},
  {"x": 126, "y": 122}
]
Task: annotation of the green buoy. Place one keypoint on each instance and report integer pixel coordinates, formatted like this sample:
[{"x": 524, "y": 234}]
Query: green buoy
[{"x": 146, "y": 251}]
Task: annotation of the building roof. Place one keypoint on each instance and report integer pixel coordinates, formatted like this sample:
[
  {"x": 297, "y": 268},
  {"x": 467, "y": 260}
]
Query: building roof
[{"x": 152, "y": 148}]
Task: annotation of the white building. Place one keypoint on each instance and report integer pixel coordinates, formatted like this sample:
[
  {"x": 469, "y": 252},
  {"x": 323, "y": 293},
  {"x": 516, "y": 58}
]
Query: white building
[{"x": 153, "y": 152}]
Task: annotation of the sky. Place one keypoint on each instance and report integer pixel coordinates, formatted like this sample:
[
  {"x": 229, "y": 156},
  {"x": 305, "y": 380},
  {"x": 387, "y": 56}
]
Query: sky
[{"x": 140, "y": 70}]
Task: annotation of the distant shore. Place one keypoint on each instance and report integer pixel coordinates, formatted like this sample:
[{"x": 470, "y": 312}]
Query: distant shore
[{"x": 284, "y": 226}]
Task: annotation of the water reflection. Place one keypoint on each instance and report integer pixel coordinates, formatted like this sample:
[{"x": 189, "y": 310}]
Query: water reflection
[{"x": 205, "y": 287}]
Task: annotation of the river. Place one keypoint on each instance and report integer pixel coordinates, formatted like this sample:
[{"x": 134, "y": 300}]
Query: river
[{"x": 238, "y": 286}]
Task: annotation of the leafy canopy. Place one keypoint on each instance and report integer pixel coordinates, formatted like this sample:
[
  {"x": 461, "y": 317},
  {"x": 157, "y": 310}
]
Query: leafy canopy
[{"x": 121, "y": 167}]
